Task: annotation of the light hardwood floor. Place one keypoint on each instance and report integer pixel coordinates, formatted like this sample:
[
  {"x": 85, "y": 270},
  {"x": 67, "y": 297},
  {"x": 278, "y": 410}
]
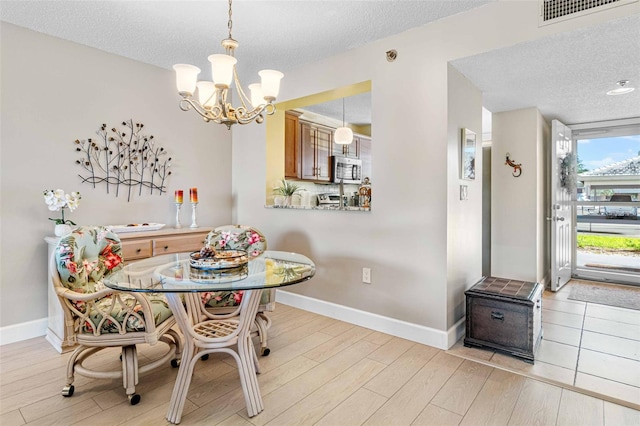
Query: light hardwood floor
[
  {"x": 320, "y": 372},
  {"x": 589, "y": 346}
]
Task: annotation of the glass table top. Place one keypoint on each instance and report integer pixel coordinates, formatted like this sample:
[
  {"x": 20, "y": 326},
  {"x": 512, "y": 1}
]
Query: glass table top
[{"x": 173, "y": 273}]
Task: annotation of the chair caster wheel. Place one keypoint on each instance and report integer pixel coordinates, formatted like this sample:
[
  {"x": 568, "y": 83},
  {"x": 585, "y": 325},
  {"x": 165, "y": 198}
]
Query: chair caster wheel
[
  {"x": 204, "y": 357},
  {"x": 266, "y": 351},
  {"x": 67, "y": 391},
  {"x": 175, "y": 363},
  {"x": 134, "y": 399}
]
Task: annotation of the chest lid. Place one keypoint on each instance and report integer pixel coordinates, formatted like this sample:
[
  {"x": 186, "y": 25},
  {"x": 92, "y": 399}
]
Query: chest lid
[{"x": 505, "y": 287}]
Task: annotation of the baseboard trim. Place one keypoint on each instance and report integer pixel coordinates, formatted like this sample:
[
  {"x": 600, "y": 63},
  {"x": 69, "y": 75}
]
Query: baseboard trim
[
  {"x": 456, "y": 332},
  {"x": 23, "y": 331},
  {"x": 406, "y": 330}
]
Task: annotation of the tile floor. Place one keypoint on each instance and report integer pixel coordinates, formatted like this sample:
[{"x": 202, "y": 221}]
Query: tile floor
[{"x": 592, "y": 347}]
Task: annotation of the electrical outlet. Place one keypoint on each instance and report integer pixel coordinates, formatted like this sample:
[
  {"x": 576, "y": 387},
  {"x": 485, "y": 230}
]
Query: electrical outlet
[{"x": 366, "y": 275}]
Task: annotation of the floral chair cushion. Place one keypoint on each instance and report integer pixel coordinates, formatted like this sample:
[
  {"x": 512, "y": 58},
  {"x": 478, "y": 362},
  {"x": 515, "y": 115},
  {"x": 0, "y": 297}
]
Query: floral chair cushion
[
  {"x": 123, "y": 313},
  {"x": 83, "y": 258},
  {"x": 235, "y": 237}
]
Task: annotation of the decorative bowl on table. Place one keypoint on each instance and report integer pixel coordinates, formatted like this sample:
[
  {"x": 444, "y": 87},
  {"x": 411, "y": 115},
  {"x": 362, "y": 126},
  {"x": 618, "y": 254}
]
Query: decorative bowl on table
[
  {"x": 219, "y": 275},
  {"x": 219, "y": 260}
]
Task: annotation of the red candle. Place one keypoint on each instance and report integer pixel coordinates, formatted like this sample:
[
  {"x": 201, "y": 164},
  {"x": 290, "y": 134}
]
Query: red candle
[
  {"x": 179, "y": 196},
  {"x": 193, "y": 193}
]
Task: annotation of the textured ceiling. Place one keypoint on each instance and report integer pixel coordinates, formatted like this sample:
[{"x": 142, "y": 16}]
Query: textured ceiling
[
  {"x": 565, "y": 76},
  {"x": 272, "y": 34}
]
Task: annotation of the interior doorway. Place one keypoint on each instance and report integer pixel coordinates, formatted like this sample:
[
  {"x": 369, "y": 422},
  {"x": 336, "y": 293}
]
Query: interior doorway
[{"x": 607, "y": 206}]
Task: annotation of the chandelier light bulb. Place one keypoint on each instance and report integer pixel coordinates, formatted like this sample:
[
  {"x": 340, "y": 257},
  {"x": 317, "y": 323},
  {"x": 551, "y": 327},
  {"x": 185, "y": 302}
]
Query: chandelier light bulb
[
  {"x": 257, "y": 97},
  {"x": 222, "y": 69},
  {"x": 186, "y": 76},
  {"x": 270, "y": 82},
  {"x": 206, "y": 94}
]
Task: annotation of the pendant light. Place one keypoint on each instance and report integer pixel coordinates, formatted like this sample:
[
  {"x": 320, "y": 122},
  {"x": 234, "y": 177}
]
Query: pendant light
[{"x": 343, "y": 135}]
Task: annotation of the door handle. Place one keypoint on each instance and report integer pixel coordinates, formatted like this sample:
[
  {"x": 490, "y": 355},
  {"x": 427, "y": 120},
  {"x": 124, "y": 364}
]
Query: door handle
[{"x": 556, "y": 218}]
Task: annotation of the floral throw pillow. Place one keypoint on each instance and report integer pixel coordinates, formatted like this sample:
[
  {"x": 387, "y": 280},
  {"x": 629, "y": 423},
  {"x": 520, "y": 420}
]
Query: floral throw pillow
[{"x": 85, "y": 256}]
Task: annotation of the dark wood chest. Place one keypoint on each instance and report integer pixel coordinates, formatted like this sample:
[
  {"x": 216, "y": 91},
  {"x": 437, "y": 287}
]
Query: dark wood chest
[{"x": 505, "y": 315}]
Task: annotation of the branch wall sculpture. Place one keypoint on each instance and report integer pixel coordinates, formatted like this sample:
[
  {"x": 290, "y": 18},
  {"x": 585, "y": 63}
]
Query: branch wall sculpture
[{"x": 124, "y": 157}]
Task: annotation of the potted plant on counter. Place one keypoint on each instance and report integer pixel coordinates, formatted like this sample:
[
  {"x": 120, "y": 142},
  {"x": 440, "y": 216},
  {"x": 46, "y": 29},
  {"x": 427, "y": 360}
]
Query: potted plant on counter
[{"x": 284, "y": 192}]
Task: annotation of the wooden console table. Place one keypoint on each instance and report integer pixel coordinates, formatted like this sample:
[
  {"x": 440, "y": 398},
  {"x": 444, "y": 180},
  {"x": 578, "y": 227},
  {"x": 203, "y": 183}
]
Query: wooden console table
[{"x": 135, "y": 246}]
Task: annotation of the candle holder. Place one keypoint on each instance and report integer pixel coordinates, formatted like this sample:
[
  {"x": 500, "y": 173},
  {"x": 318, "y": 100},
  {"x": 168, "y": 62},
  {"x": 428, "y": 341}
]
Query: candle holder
[
  {"x": 193, "y": 215},
  {"x": 178, "y": 225}
]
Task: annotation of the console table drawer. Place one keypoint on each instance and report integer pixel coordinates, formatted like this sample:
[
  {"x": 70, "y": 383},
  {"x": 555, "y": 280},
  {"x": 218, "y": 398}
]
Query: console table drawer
[
  {"x": 132, "y": 250},
  {"x": 178, "y": 244}
]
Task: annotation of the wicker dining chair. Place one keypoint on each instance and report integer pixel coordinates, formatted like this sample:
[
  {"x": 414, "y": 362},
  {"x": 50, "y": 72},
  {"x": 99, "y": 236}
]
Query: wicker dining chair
[
  {"x": 227, "y": 303},
  {"x": 97, "y": 317}
]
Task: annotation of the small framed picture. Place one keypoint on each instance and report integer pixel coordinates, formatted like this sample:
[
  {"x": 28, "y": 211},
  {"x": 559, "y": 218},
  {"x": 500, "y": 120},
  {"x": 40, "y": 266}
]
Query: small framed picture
[{"x": 468, "y": 155}]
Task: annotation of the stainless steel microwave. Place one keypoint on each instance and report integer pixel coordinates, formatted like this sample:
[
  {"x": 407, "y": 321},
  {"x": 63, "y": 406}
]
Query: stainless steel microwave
[{"x": 347, "y": 170}]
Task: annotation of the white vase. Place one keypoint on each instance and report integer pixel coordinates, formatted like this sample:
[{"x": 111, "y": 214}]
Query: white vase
[{"x": 62, "y": 229}]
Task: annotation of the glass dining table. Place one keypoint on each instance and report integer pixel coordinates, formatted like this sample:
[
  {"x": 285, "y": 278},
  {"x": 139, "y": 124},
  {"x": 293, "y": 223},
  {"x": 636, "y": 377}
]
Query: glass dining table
[{"x": 204, "y": 333}]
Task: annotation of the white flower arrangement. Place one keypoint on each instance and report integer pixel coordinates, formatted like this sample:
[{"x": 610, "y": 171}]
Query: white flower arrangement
[{"x": 57, "y": 201}]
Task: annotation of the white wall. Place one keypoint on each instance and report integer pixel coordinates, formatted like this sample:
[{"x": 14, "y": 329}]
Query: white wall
[
  {"x": 518, "y": 206},
  {"x": 404, "y": 239},
  {"x": 54, "y": 92},
  {"x": 464, "y": 217}
]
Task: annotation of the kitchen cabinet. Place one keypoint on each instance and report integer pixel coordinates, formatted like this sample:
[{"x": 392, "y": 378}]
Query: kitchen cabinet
[
  {"x": 292, "y": 169},
  {"x": 350, "y": 150},
  {"x": 315, "y": 146},
  {"x": 364, "y": 152},
  {"x": 135, "y": 245}
]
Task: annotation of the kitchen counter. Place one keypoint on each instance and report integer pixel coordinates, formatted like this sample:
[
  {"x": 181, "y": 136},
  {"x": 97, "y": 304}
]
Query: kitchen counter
[{"x": 321, "y": 207}]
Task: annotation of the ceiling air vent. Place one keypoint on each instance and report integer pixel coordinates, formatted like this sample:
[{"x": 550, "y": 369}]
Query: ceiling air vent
[{"x": 556, "y": 10}]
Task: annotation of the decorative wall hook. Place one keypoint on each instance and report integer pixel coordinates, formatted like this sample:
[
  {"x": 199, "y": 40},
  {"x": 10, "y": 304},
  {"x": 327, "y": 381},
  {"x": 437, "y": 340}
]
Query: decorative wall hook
[{"x": 517, "y": 167}]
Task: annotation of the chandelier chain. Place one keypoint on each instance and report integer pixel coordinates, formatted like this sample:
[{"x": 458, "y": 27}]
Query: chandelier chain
[{"x": 230, "y": 22}]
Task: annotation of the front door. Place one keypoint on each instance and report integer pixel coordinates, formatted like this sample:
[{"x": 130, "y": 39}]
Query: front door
[{"x": 563, "y": 173}]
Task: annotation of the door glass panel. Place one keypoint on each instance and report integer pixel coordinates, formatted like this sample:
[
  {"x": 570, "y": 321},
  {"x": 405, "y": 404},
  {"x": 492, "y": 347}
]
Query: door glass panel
[{"x": 607, "y": 208}]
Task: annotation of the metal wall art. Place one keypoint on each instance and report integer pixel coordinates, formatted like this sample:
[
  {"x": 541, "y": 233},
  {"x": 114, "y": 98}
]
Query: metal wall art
[
  {"x": 124, "y": 157},
  {"x": 517, "y": 167}
]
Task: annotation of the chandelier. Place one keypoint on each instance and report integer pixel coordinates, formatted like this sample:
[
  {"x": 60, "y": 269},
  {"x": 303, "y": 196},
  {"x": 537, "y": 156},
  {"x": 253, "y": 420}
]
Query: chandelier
[{"x": 212, "y": 99}]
